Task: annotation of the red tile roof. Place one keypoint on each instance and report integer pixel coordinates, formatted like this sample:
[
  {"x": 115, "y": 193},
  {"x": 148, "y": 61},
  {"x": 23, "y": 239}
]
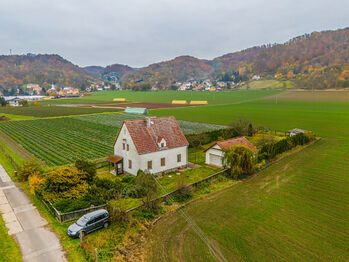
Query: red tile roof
[
  {"x": 114, "y": 159},
  {"x": 240, "y": 141},
  {"x": 145, "y": 138}
]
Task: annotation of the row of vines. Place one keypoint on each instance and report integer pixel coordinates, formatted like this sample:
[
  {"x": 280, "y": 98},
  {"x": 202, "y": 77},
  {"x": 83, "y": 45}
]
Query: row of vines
[{"x": 60, "y": 141}]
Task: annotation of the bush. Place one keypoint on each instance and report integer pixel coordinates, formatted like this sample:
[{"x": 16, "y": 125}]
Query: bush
[
  {"x": 264, "y": 139},
  {"x": 105, "y": 188},
  {"x": 269, "y": 151},
  {"x": 29, "y": 168},
  {"x": 196, "y": 140},
  {"x": 300, "y": 139},
  {"x": 117, "y": 215},
  {"x": 68, "y": 205},
  {"x": 128, "y": 179},
  {"x": 88, "y": 167},
  {"x": 239, "y": 160},
  {"x": 35, "y": 183},
  {"x": 241, "y": 127},
  {"x": 144, "y": 214},
  {"x": 183, "y": 194},
  {"x": 64, "y": 183}
]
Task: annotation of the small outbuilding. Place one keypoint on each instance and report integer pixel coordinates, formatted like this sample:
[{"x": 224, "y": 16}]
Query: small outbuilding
[
  {"x": 136, "y": 111},
  {"x": 296, "y": 131},
  {"x": 215, "y": 153}
]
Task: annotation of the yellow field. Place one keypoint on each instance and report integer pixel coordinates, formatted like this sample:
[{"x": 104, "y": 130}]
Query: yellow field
[
  {"x": 198, "y": 102},
  {"x": 179, "y": 102},
  {"x": 119, "y": 99}
]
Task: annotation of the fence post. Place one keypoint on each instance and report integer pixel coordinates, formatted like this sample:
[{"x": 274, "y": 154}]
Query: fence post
[
  {"x": 96, "y": 255},
  {"x": 81, "y": 237}
]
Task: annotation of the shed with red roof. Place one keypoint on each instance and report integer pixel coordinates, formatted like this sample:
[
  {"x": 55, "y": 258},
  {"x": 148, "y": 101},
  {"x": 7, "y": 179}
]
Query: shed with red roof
[{"x": 215, "y": 153}]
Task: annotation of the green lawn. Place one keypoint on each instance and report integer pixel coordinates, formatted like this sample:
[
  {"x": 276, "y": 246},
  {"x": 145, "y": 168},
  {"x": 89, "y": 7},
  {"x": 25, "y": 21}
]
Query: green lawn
[
  {"x": 9, "y": 251},
  {"x": 296, "y": 210},
  {"x": 167, "y": 96}
]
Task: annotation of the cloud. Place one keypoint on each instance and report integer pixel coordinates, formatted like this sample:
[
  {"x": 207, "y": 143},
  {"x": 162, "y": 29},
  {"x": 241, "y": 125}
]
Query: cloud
[{"x": 140, "y": 32}]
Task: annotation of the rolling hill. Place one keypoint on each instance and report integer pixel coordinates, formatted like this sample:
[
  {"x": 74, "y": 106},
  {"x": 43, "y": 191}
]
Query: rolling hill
[
  {"x": 17, "y": 70},
  {"x": 103, "y": 73},
  {"x": 316, "y": 60}
]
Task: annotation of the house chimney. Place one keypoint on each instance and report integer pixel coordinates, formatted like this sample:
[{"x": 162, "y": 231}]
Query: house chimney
[{"x": 149, "y": 121}]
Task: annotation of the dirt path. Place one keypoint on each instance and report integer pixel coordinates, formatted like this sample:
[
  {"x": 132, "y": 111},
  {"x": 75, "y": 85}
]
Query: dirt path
[{"x": 19, "y": 150}]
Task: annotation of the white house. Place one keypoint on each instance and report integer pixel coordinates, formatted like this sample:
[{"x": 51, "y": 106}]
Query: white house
[
  {"x": 256, "y": 77},
  {"x": 14, "y": 101},
  {"x": 215, "y": 153},
  {"x": 154, "y": 145}
]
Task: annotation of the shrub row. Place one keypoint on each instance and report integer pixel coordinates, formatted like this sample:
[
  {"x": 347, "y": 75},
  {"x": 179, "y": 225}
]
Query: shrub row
[
  {"x": 269, "y": 151},
  {"x": 196, "y": 140}
]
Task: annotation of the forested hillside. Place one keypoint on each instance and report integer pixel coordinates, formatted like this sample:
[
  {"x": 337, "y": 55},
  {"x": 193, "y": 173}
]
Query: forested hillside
[
  {"x": 117, "y": 69},
  {"x": 17, "y": 70},
  {"x": 318, "y": 60}
]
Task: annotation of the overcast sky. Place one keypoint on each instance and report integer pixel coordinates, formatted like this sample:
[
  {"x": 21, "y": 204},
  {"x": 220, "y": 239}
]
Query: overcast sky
[{"x": 140, "y": 32}]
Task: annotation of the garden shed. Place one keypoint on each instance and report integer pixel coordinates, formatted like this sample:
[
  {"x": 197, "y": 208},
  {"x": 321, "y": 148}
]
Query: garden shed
[
  {"x": 215, "y": 153},
  {"x": 136, "y": 110}
]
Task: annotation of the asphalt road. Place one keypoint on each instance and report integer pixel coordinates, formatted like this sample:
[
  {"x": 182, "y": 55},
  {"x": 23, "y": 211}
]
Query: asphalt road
[{"x": 35, "y": 238}]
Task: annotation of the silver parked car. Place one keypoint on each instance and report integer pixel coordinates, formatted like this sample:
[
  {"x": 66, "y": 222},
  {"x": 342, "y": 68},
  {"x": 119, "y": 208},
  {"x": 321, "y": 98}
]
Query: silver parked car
[{"x": 89, "y": 222}]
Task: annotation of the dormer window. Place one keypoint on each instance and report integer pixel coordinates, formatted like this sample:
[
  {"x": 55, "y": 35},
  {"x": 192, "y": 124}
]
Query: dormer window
[{"x": 161, "y": 142}]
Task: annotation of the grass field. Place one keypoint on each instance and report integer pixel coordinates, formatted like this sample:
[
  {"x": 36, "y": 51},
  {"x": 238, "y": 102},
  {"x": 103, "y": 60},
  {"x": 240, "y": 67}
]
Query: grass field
[
  {"x": 269, "y": 84},
  {"x": 50, "y": 111},
  {"x": 324, "y": 118},
  {"x": 213, "y": 98},
  {"x": 315, "y": 96},
  {"x": 296, "y": 210},
  {"x": 251, "y": 221}
]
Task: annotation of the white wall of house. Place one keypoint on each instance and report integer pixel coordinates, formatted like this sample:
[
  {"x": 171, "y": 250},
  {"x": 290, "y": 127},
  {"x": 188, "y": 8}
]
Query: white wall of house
[
  {"x": 170, "y": 156},
  {"x": 214, "y": 156},
  {"x": 141, "y": 161},
  {"x": 129, "y": 153}
]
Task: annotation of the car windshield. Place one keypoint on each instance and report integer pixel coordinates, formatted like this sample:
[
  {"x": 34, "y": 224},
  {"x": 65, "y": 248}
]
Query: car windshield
[{"x": 82, "y": 221}]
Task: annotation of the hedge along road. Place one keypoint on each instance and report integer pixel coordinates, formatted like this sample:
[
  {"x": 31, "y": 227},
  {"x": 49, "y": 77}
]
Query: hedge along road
[{"x": 36, "y": 241}]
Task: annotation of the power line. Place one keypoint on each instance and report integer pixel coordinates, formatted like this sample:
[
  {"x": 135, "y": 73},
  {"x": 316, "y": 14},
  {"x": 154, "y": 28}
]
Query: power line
[{"x": 202, "y": 235}]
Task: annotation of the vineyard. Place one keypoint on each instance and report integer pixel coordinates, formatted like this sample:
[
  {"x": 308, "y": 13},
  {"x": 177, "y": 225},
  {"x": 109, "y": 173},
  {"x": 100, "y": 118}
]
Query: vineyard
[
  {"x": 52, "y": 111},
  {"x": 60, "y": 141},
  {"x": 116, "y": 120}
]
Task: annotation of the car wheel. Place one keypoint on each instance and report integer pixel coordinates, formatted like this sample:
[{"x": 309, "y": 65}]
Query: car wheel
[{"x": 106, "y": 224}]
